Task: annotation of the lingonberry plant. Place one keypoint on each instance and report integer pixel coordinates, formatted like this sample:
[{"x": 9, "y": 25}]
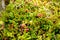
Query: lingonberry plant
[{"x": 30, "y": 20}]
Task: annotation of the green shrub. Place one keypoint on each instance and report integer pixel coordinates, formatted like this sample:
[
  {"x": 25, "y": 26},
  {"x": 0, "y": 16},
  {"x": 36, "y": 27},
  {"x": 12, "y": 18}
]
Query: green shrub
[{"x": 25, "y": 20}]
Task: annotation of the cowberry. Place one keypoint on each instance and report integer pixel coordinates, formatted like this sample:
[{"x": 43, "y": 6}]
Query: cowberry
[
  {"x": 27, "y": 29},
  {"x": 39, "y": 15}
]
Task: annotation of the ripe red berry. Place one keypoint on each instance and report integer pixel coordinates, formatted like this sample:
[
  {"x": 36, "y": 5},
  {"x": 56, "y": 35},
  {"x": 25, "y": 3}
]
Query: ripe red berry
[
  {"x": 39, "y": 15},
  {"x": 27, "y": 29}
]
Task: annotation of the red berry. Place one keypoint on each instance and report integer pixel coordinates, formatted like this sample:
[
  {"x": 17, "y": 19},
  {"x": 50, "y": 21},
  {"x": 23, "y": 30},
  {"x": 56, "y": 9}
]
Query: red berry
[
  {"x": 39, "y": 15},
  {"x": 23, "y": 25},
  {"x": 27, "y": 29}
]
